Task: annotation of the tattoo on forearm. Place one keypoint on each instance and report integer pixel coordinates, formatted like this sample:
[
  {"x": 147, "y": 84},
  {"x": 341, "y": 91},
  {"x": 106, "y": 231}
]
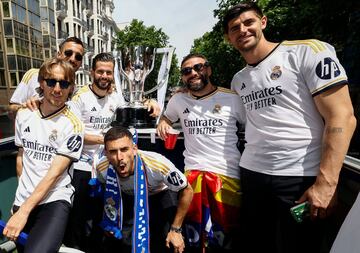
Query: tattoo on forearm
[{"x": 334, "y": 130}]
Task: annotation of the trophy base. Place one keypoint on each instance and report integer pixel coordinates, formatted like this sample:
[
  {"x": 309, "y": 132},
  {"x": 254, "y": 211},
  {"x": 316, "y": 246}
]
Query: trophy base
[{"x": 135, "y": 117}]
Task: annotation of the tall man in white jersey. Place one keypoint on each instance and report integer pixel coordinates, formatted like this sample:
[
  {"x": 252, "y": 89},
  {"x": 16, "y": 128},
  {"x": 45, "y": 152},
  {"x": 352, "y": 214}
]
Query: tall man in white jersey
[
  {"x": 208, "y": 116},
  {"x": 49, "y": 139},
  {"x": 299, "y": 124},
  {"x": 71, "y": 49}
]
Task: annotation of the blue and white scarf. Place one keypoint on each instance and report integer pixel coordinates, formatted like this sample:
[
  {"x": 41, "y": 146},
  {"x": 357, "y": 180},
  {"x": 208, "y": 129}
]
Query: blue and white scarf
[{"x": 113, "y": 206}]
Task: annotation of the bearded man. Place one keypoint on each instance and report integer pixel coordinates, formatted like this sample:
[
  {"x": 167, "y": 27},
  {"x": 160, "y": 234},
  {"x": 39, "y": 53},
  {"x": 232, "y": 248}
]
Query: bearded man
[{"x": 208, "y": 115}]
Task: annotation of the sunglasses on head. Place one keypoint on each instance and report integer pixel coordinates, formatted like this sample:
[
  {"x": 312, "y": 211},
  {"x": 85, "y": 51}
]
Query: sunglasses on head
[
  {"x": 69, "y": 53},
  {"x": 52, "y": 83},
  {"x": 197, "y": 67}
]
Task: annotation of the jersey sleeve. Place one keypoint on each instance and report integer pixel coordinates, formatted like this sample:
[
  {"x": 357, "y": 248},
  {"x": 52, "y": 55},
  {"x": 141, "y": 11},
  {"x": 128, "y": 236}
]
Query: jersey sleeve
[
  {"x": 320, "y": 67},
  {"x": 73, "y": 142},
  {"x": 170, "y": 111},
  {"x": 26, "y": 88},
  {"x": 164, "y": 170},
  {"x": 18, "y": 127}
]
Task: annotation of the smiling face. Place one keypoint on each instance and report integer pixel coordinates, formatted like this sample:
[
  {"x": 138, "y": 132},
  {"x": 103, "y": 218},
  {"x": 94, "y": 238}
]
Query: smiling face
[
  {"x": 120, "y": 153},
  {"x": 103, "y": 74},
  {"x": 246, "y": 31},
  {"x": 197, "y": 79},
  {"x": 71, "y": 52}
]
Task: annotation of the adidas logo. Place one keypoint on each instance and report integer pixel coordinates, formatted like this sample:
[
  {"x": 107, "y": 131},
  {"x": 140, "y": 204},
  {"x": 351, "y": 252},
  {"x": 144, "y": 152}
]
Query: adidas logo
[
  {"x": 93, "y": 109},
  {"x": 186, "y": 111},
  {"x": 27, "y": 130},
  {"x": 243, "y": 86}
]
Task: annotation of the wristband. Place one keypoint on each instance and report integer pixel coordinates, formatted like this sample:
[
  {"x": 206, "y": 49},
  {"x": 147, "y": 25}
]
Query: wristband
[{"x": 175, "y": 229}]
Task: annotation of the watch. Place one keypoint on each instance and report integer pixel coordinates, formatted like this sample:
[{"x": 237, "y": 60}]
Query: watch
[{"x": 175, "y": 229}]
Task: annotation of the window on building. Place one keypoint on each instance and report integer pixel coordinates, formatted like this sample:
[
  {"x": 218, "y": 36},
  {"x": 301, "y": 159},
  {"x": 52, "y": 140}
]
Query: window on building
[
  {"x": 47, "y": 53},
  {"x": 13, "y": 79},
  {"x": 6, "y": 9},
  {"x": 2, "y": 78},
  {"x": 12, "y": 62},
  {"x": 10, "y": 46},
  {"x": 8, "y": 29}
]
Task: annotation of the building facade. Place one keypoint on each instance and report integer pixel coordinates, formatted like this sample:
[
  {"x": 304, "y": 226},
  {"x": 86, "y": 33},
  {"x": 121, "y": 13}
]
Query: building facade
[{"x": 31, "y": 31}]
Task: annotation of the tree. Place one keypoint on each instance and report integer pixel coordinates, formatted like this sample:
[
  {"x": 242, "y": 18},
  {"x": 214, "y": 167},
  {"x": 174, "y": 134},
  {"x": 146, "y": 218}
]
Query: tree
[
  {"x": 138, "y": 34},
  {"x": 327, "y": 20}
]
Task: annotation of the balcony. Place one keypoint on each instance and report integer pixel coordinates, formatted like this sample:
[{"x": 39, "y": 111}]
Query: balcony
[
  {"x": 61, "y": 9},
  {"x": 89, "y": 9}
]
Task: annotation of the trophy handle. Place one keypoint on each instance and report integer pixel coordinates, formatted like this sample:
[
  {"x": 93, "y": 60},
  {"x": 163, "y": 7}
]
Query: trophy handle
[
  {"x": 159, "y": 85},
  {"x": 168, "y": 54}
]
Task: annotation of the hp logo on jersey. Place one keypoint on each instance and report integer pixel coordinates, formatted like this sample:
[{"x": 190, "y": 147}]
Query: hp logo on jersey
[
  {"x": 74, "y": 143},
  {"x": 175, "y": 179},
  {"x": 327, "y": 69}
]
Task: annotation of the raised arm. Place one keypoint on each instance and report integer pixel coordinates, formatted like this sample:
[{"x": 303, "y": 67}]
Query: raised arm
[{"x": 337, "y": 111}]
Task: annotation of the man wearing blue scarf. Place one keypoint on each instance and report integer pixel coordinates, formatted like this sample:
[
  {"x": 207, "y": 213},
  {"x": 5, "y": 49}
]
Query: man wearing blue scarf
[{"x": 146, "y": 197}]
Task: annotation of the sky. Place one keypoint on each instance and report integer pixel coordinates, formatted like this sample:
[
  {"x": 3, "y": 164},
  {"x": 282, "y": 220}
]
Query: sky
[{"x": 182, "y": 20}]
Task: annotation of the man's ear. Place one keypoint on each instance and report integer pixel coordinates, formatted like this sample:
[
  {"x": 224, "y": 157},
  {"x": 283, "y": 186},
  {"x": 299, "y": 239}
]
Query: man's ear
[
  {"x": 263, "y": 22},
  {"x": 135, "y": 149}
]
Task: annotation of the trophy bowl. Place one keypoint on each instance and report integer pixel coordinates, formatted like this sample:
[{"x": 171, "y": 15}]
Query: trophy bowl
[{"x": 135, "y": 64}]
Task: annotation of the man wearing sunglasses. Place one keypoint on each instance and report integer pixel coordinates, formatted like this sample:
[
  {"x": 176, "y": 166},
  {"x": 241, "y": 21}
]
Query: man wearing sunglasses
[
  {"x": 49, "y": 140},
  {"x": 208, "y": 116},
  {"x": 71, "y": 50}
]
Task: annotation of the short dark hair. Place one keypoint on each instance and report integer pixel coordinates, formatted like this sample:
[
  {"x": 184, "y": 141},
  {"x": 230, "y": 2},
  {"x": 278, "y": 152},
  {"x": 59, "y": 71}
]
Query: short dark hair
[
  {"x": 115, "y": 133},
  {"x": 237, "y": 10},
  {"x": 193, "y": 55},
  {"x": 71, "y": 39},
  {"x": 103, "y": 57}
]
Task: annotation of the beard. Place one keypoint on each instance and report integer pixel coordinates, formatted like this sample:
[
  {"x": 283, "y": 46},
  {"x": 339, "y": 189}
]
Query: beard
[
  {"x": 204, "y": 80},
  {"x": 101, "y": 85}
]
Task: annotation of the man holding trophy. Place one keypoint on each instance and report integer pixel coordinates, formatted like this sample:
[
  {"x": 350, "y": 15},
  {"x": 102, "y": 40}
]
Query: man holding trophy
[
  {"x": 135, "y": 64},
  {"x": 95, "y": 106}
]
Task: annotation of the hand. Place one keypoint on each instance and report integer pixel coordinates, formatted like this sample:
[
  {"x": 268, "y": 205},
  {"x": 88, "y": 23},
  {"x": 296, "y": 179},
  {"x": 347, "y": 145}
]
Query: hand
[
  {"x": 32, "y": 103},
  {"x": 322, "y": 198},
  {"x": 15, "y": 225},
  {"x": 154, "y": 106},
  {"x": 176, "y": 240},
  {"x": 163, "y": 128}
]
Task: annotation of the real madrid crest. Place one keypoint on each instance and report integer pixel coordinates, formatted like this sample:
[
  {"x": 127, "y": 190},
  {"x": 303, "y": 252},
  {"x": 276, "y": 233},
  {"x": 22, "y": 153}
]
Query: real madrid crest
[
  {"x": 53, "y": 135},
  {"x": 276, "y": 73},
  {"x": 110, "y": 210},
  {"x": 217, "y": 108}
]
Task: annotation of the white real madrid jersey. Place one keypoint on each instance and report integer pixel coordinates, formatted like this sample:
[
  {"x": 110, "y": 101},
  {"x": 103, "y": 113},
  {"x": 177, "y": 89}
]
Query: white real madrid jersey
[
  {"x": 161, "y": 174},
  {"x": 209, "y": 126},
  {"x": 26, "y": 88},
  {"x": 42, "y": 138},
  {"x": 96, "y": 113},
  {"x": 284, "y": 128}
]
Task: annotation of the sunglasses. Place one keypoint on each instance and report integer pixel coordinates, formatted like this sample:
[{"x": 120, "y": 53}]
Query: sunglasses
[
  {"x": 197, "y": 67},
  {"x": 69, "y": 53},
  {"x": 52, "y": 83}
]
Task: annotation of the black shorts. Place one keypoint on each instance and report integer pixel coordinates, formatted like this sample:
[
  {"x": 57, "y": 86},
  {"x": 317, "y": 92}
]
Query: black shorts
[{"x": 45, "y": 227}]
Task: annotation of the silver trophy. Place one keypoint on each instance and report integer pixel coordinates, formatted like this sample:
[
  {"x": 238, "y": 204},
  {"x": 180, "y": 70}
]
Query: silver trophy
[{"x": 134, "y": 65}]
